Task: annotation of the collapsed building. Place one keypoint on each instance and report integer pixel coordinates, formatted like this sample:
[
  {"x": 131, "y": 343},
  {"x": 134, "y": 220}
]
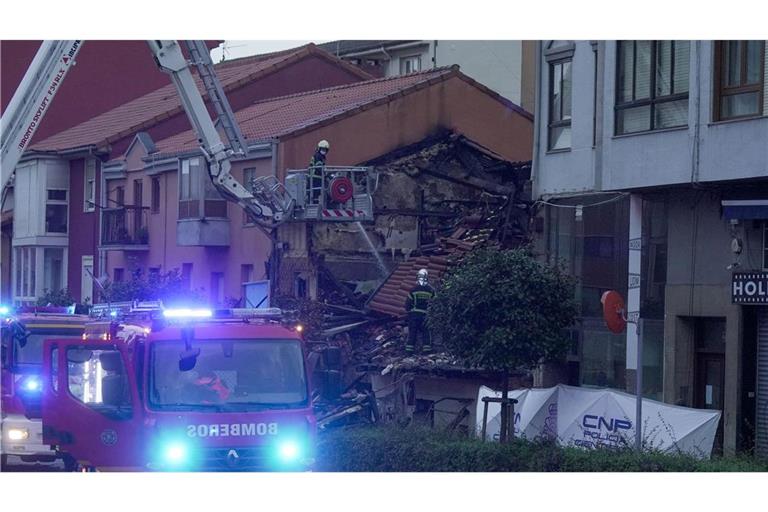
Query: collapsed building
[{"x": 437, "y": 200}]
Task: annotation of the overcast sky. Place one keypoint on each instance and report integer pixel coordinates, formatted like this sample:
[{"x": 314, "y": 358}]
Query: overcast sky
[{"x": 237, "y": 49}]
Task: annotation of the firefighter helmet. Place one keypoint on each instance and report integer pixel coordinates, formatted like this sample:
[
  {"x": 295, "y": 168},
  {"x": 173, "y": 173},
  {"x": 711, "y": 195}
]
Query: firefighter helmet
[
  {"x": 323, "y": 144},
  {"x": 422, "y": 276}
]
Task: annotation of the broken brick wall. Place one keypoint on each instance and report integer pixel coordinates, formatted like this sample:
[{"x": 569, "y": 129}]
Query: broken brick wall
[{"x": 420, "y": 197}]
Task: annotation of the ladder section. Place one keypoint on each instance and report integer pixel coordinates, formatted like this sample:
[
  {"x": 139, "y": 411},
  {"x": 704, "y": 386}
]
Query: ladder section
[{"x": 201, "y": 59}]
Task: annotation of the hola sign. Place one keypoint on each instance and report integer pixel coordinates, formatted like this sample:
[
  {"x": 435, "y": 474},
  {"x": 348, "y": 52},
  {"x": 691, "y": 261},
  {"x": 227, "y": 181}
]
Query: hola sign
[{"x": 749, "y": 288}]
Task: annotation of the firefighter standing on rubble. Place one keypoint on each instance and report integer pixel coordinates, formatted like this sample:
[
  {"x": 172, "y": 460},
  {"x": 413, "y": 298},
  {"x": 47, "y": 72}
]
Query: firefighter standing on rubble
[
  {"x": 316, "y": 168},
  {"x": 416, "y": 305}
]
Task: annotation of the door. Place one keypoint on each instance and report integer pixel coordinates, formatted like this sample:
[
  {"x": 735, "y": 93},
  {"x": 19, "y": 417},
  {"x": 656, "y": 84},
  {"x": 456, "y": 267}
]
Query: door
[
  {"x": 709, "y": 369},
  {"x": 90, "y": 404},
  {"x": 86, "y": 280},
  {"x": 138, "y": 202},
  {"x": 709, "y": 390}
]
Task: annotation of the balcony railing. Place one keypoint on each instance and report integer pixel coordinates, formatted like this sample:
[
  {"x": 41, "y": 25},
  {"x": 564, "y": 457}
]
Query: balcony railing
[{"x": 125, "y": 226}]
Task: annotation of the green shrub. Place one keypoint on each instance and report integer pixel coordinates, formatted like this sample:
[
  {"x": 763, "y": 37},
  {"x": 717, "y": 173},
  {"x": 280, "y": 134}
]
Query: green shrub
[
  {"x": 386, "y": 448},
  {"x": 56, "y": 298}
]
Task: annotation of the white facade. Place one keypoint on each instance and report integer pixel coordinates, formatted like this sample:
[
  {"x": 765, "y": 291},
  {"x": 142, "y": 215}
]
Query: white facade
[
  {"x": 41, "y": 200},
  {"x": 648, "y": 204},
  {"x": 499, "y": 65},
  {"x": 703, "y": 151}
]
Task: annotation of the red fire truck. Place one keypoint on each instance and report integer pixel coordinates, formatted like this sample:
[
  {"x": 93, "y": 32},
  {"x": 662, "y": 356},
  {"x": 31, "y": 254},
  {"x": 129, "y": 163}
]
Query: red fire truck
[
  {"x": 180, "y": 390},
  {"x": 23, "y": 333}
]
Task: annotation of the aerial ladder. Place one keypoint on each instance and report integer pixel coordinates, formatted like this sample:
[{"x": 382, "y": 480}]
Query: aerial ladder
[{"x": 267, "y": 201}]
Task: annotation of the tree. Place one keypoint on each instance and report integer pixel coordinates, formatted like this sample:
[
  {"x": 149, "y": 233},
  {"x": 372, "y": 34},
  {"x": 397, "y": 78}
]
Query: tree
[
  {"x": 170, "y": 287},
  {"x": 56, "y": 298},
  {"x": 504, "y": 310}
]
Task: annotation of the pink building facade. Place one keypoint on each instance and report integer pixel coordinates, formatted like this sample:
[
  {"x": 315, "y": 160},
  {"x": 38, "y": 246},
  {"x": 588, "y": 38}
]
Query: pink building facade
[
  {"x": 60, "y": 243},
  {"x": 209, "y": 240}
]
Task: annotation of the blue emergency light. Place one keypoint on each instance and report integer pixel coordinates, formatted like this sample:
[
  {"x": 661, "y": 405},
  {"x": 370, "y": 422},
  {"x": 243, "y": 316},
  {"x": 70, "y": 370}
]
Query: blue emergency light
[
  {"x": 187, "y": 313},
  {"x": 32, "y": 384}
]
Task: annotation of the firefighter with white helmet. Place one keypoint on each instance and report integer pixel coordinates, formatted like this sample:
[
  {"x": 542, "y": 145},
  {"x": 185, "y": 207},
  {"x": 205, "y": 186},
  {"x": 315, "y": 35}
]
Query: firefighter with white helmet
[
  {"x": 316, "y": 167},
  {"x": 416, "y": 306}
]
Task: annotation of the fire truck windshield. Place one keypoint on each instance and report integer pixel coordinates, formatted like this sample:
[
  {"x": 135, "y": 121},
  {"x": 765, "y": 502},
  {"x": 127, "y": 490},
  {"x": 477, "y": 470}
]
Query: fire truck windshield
[
  {"x": 31, "y": 352},
  {"x": 229, "y": 375}
]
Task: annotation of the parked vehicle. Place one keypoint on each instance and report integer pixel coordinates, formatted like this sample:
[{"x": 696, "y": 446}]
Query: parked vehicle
[
  {"x": 181, "y": 390},
  {"x": 23, "y": 333}
]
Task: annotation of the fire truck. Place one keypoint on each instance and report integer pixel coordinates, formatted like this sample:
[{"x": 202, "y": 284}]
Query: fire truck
[
  {"x": 23, "y": 333},
  {"x": 153, "y": 389}
]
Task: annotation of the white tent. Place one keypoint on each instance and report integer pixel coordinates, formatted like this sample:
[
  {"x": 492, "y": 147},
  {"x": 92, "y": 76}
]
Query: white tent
[
  {"x": 535, "y": 413},
  {"x": 591, "y": 418}
]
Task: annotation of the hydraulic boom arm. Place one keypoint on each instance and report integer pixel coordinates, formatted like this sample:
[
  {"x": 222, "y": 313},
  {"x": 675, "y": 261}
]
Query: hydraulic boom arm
[{"x": 267, "y": 203}]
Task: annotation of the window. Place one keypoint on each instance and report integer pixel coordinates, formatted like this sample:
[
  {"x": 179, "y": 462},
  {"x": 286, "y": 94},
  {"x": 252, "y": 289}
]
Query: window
[
  {"x": 119, "y": 275},
  {"x": 55, "y": 368},
  {"x": 410, "y": 64},
  {"x": 240, "y": 375},
  {"x": 189, "y": 191},
  {"x": 53, "y": 269},
  {"x": 155, "y": 195},
  {"x": 739, "y": 79},
  {"x": 560, "y": 105},
  {"x": 89, "y": 195},
  {"x": 246, "y": 273},
  {"x": 56, "y": 211},
  {"x": 120, "y": 196},
  {"x": 217, "y": 288},
  {"x": 651, "y": 85},
  {"x": 98, "y": 379},
  {"x": 197, "y": 194},
  {"x": 25, "y": 262}
]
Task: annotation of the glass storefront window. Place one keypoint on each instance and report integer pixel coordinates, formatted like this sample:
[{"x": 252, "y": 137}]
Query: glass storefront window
[{"x": 592, "y": 245}]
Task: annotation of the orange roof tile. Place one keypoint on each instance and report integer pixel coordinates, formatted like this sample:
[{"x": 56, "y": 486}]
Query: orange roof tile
[
  {"x": 147, "y": 110},
  {"x": 280, "y": 116}
]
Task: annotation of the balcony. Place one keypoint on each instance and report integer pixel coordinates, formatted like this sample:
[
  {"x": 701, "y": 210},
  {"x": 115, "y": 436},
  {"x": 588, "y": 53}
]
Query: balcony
[{"x": 125, "y": 228}]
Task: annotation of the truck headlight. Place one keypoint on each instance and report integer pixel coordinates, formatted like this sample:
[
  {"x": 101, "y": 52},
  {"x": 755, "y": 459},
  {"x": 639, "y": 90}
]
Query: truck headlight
[
  {"x": 289, "y": 451},
  {"x": 175, "y": 453},
  {"x": 18, "y": 434}
]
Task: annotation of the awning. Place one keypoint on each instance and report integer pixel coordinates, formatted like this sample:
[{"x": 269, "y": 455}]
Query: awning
[{"x": 745, "y": 209}]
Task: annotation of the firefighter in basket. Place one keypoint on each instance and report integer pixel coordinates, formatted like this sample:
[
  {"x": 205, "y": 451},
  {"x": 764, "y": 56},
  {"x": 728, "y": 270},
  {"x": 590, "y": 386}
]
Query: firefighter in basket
[{"x": 316, "y": 171}]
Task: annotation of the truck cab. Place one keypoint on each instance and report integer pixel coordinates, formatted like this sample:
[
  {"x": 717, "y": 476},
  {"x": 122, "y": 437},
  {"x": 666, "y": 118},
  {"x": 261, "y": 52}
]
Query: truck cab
[
  {"x": 181, "y": 390},
  {"x": 23, "y": 334}
]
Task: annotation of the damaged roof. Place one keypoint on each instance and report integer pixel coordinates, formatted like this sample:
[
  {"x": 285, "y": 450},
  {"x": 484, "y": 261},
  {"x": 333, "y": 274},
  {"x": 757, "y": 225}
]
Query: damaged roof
[
  {"x": 276, "y": 117},
  {"x": 390, "y": 298},
  {"x": 162, "y": 103}
]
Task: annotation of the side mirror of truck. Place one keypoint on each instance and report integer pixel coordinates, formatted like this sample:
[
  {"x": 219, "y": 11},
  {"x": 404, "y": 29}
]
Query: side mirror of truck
[
  {"x": 79, "y": 355},
  {"x": 188, "y": 359},
  {"x": 332, "y": 384}
]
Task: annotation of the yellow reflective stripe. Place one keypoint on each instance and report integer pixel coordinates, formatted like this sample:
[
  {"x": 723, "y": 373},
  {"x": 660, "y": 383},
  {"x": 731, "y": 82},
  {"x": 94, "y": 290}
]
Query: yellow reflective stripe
[{"x": 53, "y": 326}]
